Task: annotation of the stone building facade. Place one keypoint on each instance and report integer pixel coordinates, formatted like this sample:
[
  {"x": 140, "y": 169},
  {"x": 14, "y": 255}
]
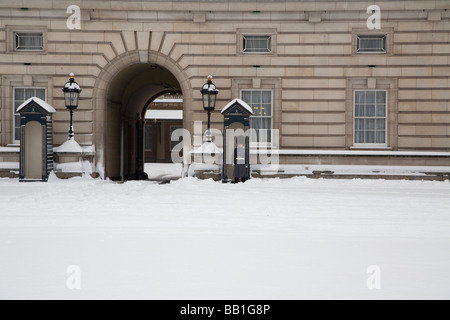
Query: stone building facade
[{"x": 313, "y": 70}]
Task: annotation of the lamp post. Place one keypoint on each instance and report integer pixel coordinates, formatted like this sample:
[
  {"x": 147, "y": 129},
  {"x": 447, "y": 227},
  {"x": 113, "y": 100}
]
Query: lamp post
[
  {"x": 71, "y": 94},
  {"x": 209, "y": 93}
]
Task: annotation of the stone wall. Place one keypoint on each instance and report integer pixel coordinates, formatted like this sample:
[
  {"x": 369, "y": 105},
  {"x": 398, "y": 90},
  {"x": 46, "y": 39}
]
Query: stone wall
[{"x": 312, "y": 70}]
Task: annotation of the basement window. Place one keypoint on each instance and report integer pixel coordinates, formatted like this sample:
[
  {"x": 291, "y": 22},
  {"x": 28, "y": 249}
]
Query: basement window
[
  {"x": 371, "y": 44},
  {"x": 29, "y": 41},
  {"x": 257, "y": 44}
]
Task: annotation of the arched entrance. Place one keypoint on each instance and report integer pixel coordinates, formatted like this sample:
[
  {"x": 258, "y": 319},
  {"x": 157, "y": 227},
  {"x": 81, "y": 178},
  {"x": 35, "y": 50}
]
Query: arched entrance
[{"x": 125, "y": 89}]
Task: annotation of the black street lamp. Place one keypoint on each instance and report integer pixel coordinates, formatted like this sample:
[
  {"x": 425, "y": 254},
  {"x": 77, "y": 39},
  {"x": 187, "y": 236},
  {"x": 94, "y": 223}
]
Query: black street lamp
[
  {"x": 209, "y": 94},
  {"x": 71, "y": 94}
]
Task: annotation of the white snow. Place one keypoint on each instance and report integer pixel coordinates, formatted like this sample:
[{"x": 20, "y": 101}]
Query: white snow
[
  {"x": 203, "y": 167},
  {"x": 84, "y": 167},
  {"x": 242, "y": 103},
  {"x": 360, "y": 169},
  {"x": 355, "y": 153},
  {"x": 72, "y": 86},
  {"x": 87, "y": 167},
  {"x": 99, "y": 165},
  {"x": 70, "y": 146},
  {"x": 72, "y": 167},
  {"x": 208, "y": 148},
  {"x": 191, "y": 239},
  {"x": 163, "y": 171},
  {"x": 88, "y": 149},
  {"x": 168, "y": 101},
  {"x": 9, "y": 165},
  {"x": 40, "y": 102},
  {"x": 164, "y": 114},
  {"x": 9, "y": 149}
]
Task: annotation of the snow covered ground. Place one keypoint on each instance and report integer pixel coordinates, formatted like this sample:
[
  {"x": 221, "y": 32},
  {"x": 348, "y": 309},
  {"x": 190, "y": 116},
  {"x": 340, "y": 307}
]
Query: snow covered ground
[
  {"x": 191, "y": 239},
  {"x": 163, "y": 171}
]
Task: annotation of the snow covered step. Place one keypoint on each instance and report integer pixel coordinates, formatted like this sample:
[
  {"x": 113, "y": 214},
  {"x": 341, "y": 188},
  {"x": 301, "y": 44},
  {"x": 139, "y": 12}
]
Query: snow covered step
[
  {"x": 358, "y": 172},
  {"x": 9, "y": 169}
]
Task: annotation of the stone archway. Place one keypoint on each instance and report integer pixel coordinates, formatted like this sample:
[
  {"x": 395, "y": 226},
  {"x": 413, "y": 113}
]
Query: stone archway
[{"x": 123, "y": 90}]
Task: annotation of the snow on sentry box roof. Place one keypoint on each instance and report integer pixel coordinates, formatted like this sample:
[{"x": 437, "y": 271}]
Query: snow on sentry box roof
[
  {"x": 242, "y": 103},
  {"x": 40, "y": 102}
]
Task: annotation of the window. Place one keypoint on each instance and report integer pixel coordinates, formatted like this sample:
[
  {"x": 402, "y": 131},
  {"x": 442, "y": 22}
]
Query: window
[
  {"x": 148, "y": 138},
  {"x": 371, "y": 44},
  {"x": 20, "y": 96},
  {"x": 261, "y": 101},
  {"x": 257, "y": 44},
  {"x": 256, "y": 41},
  {"x": 370, "y": 117},
  {"x": 29, "y": 41}
]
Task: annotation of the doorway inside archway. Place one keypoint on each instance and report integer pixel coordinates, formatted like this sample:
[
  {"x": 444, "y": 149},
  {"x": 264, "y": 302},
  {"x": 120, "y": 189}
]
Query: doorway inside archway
[
  {"x": 163, "y": 117},
  {"x": 132, "y": 94}
]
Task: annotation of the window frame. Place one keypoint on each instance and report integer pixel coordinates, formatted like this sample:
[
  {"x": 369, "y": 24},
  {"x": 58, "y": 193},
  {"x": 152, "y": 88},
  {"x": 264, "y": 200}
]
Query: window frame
[
  {"x": 16, "y": 45},
  {"x": 373, "y": 36},
  {"x": 386, "y": 118},
  {"x": 268, "y": 143},
  {"x": 247, "y": 32},
  {"x": 15, "y": 141},
  {"x": 269, "y": 40},
  {"x": 12, "y": 30},
  {"x": 386, "y": 31}
]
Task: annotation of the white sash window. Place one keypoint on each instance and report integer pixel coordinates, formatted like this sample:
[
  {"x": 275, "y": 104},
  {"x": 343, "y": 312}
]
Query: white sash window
[
  {"x": 370, "y": 117},
  {"x": 261, "y": 102}
]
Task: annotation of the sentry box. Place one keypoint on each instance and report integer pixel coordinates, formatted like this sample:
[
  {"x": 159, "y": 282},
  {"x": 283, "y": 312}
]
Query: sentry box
[
  {"x": 236, "y": 126},
  {"x": 36, "y": 140}
]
